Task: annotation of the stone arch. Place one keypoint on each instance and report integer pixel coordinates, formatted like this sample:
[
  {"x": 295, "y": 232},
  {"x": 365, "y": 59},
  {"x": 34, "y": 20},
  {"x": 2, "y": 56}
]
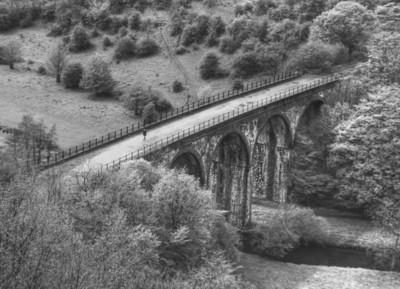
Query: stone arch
[
  {"x": 190, "y": 161},
  {"x": 271, "y": 153},
  {"x": 229, "y": 176},
  {"x": 309, "y": 150},
  {"x": 309, "y": 114}
]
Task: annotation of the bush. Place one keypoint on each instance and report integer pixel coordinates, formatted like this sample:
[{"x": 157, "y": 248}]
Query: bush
[
  {"x": 261, "y": 7},
  {"x": 125, "y": 48},
  {"x": 97, "y": 77},
  {"x": 117, "y": 23},
  {"x": 122, "y": 32},
  {"x": 72, "y": 75},
  {"x": 285, "y": 229},
  {"x": 177, "y": 86},
  {"x": 318, "y": 55},
  {"x": 135, "y": 21},
  {"x": 181, "y": 50},
  {"x": 246, "y": 64},
  {"x": 95, "y": 33},
  {"x": 79, "y": 40},
  {"x": 57, "y": 30},
  {"x": 209, "y": 67},
  {"x": 5, "y": 23},
  {"x": 162, "y": 104},
  {"x": 139, "y": 97},
  {"x": 146, "y": 47},
  {"x": 190, "y": 35},
  {"x": 228, "y": 45},
  {"x": 106, "y": 42},
  {"x": 27, "y": 21},
  {"x": 42, "y": 70},
  {"x": 149, "y": 113}
]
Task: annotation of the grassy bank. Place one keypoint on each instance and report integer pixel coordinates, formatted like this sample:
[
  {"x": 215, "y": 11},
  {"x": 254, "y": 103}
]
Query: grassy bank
[
  {"x": 341, "y": 231},
  {"x": 266, "y": 273}
]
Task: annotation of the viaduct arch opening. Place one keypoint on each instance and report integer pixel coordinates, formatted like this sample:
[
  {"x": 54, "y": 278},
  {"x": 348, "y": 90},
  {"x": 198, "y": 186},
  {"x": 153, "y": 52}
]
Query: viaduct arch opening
[
  {"x": 230, "y": 176},
  {"x": 309, "y": 154},
  {"x": 271, "y": 160},
  {"x": 191, "y": 163}
]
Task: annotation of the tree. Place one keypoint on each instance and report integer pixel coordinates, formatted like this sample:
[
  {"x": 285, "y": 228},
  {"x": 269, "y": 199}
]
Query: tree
[
  {"x": 79, "y": 40},
  {"x": 72, "y": 75},
  {"x": 309, "y": 9},
  {"x": 384, "y": 58},
  {"x": 347, "y": 23},
  {"x": 57, "y": 61},
  {"x": 11, "y": 53},
  {"x": 366, "y": 157},
  {"x": 209, "y": 67},
  {"x": 97, "y": 77}
]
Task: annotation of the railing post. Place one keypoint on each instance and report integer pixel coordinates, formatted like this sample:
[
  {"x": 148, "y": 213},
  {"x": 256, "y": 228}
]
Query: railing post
[{"x": 89, "y": 144}]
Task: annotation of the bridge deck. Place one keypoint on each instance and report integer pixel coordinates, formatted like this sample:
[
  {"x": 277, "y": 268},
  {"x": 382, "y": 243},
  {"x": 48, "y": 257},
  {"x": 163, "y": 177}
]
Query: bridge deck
[{"x": 131, "y": 144}]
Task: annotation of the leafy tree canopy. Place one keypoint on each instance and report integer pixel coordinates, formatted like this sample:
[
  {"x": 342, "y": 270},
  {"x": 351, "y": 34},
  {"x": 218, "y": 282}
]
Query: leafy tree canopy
[
  {"x": 365, "y": 154},
  {"x": 347, "y": 23}
]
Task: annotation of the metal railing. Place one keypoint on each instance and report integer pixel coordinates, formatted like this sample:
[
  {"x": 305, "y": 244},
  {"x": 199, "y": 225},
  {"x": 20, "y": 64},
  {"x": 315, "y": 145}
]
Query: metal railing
[
  {"x": 74, "y": 151},
  {"x": 217, "y": 120}
]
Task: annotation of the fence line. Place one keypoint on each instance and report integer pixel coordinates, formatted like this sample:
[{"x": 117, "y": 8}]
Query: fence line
[
  {"x": 134, "y": 128},
  {"x": 217, "y": 120}
]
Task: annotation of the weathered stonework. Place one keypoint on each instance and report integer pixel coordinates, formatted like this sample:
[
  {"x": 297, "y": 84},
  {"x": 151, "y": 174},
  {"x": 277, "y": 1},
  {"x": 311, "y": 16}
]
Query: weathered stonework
[{"x": 245, "y": 156}]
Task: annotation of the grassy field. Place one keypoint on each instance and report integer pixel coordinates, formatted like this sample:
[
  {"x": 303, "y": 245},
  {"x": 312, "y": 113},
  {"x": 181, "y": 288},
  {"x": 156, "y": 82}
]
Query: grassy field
[
  {"x": 77, "y": 116},
  {"x": 268, "y": 274}
]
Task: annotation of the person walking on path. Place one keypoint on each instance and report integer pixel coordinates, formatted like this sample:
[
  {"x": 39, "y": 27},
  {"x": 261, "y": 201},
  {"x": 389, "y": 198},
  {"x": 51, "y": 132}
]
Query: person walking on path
[{"x": 144, "y": 134}]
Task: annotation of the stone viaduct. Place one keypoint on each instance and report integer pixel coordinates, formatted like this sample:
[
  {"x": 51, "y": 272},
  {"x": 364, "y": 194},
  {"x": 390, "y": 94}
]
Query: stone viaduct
[{"x": 246, "y": 155}]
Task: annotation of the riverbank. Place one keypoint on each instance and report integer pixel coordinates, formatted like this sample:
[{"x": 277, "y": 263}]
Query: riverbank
[{"x": 344, "y": 232}]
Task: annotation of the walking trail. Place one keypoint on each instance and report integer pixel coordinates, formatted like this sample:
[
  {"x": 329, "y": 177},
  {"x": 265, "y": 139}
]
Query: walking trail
[{"x": 131, "y": 144}]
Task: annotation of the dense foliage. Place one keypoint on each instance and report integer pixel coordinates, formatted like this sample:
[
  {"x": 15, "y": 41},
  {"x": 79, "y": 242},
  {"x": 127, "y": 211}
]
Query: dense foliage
[{"x": 139, "y": 227}]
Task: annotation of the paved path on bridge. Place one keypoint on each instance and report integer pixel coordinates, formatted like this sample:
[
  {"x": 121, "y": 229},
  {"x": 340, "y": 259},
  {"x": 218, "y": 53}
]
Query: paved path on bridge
[{"x": 121, "y": 148}]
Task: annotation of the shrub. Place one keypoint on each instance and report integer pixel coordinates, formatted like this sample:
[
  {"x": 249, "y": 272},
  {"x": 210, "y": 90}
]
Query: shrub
[
  {"x": 149, "y": 113},
  {"x": 125, "y": 48},
  {"x": 122, "y": 32},
  {"x": 135, "y": 21},
  {"x": 27, "y": 21},
  {"x": 318, "y": 55},
  {"x": 212, "y": 39},
  {"x": 190, "y": 35},
  {"x": 97, "y": 77},
  {"x": 79, "y": 40},
  {"x": 181, "y": 50},
  {"x": 177, "y": 86},
  {"x": 48, "y": 12},
  {"x": 209, "y": 67},
  {"x": 139, "y": 97},
  {"x": 218, "y": 25},
  {"x": 285, "y": 229},
  {"x": 146, "y": 47},
  {"x": 103, "y": 21},
  {"x": 162, "y": 104},
  {"x": 42, "y": 70},
  {"x": 228, "y": 45},
  {"x": 72, "y": 75},
  {"x": 106, "y": 42},
  {"x": 5, "y": 23},
  {"x": 11, "y": 53},
  {"x": 238, "y": 85},
  {"x": 95, "y": 33},
  {"x": 246, "y": 64},
  {"x": 117, "y": 23},
  {"x": 57, "y": 30},
  {"x": 262, "y": 7}
]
